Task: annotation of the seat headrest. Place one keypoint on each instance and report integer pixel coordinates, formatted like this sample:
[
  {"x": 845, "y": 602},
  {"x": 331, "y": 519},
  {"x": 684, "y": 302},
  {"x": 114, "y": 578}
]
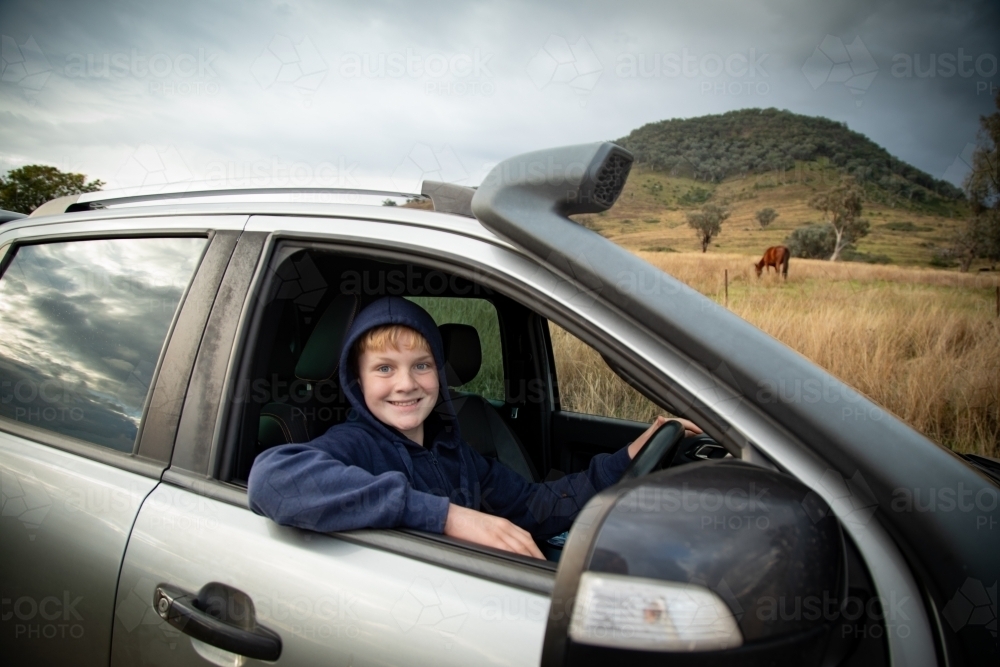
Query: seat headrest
[
  {"x": 321, "y": 353},
  {"x": 463, "y": 354}
]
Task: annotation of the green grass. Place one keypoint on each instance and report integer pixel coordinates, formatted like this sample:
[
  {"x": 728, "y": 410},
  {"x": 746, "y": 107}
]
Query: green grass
[
  {"x": 905, "y": 226},
  {"x": 480, "y": 314}
]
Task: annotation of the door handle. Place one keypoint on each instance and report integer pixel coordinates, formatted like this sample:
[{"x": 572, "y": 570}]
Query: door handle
[{"x": 219, "y": 615}]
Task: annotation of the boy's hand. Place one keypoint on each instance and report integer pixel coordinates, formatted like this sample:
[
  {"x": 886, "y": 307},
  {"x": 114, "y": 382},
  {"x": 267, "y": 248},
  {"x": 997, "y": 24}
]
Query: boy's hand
[
  {"x": 690, "y": 428},
  {"x": 489, "y": 530}
]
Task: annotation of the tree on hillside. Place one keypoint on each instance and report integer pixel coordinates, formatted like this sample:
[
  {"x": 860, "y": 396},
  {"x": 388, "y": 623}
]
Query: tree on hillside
[
  {"x": 971, "y": 240},
  {"x": 980, "y": 236},
  {"x": 708, "y": 222},
  {"x": 842, "y": 207},
  {"x": 25, "y": 189},
  {"x": 766, "y": 216},
  {"x": 811, "y": 242}
]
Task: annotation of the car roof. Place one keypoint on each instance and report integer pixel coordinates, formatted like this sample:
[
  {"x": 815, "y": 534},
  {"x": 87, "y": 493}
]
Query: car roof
[{"x": 230, "y": 205}]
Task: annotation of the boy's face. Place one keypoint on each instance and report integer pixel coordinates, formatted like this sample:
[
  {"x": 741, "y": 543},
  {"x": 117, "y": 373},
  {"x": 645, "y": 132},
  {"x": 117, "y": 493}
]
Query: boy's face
[{"x": 400, "y": 387}]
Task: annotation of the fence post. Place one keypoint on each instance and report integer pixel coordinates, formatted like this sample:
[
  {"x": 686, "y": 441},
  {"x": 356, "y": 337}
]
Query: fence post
[{"x": 727, "y": 288}]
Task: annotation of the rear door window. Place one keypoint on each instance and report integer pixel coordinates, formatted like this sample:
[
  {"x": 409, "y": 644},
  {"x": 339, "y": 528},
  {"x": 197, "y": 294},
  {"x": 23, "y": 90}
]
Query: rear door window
[{"x": 83, "y": 325}]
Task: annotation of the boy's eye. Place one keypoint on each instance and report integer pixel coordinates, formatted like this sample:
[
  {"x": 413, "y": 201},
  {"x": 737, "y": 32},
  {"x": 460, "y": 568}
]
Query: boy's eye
[
  {"x": 423, "y": 366},
  {"x": 383, "y": 369}
]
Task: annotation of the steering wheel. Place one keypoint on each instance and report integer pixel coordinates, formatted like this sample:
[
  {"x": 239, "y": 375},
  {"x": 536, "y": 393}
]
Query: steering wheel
[
  {"x": 668, "y": 447},
  {"x": 658, "y": 452}
]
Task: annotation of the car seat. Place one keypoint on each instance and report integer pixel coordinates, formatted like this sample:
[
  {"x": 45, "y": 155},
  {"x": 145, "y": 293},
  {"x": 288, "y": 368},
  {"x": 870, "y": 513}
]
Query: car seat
[
  {"x": 305, "y": 417},
  {"x": 480, "y": 424}
]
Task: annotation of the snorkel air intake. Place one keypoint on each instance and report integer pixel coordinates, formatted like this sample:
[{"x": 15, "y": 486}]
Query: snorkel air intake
[
  {"x": 572, "y": 179},
  {"x": 528, "y": 198}
]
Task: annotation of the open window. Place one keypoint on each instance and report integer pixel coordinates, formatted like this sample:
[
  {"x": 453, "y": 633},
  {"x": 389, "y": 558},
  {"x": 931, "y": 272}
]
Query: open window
[
  {"x": 526, "y": 391},
  {"x": 289, "y": 389}
]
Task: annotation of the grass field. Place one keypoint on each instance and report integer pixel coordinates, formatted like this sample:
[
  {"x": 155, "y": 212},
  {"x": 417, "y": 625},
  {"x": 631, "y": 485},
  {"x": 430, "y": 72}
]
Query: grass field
[{"x": 922, "y": 343}]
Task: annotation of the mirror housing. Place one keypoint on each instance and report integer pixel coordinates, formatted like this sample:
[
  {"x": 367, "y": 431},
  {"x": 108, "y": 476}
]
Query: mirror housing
[{"x": 713, "y": 563}]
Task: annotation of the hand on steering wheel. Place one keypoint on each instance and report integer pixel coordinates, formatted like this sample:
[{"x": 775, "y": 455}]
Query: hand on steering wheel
[
  {"x": 690, "y": 429},
  {"x": 658, "y": 450},
  {"x": 657, "y": 447}
]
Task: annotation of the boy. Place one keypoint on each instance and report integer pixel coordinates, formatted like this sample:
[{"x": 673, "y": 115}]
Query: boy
[{"x": 399, "y": 460}]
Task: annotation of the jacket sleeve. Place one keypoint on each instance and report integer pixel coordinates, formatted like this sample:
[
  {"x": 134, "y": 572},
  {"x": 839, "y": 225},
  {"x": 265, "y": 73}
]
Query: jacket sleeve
[
  {"x": 545, "y": 509},
  {"x": 320, "y": 488}
]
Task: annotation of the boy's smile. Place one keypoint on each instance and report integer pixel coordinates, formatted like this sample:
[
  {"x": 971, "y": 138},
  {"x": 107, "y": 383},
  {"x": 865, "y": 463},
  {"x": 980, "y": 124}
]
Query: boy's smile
[{"x": 400, "y": 388}]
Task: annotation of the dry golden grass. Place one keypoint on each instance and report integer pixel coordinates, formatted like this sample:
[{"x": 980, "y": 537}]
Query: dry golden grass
[
  {"x": 923, "y": 344},
  {"x": 704, "y": 272},
  {"x": 588, "y": 385}
]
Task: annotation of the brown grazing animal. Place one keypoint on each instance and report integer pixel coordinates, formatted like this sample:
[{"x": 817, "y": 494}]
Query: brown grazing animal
[{"x": 775, "y": 256}]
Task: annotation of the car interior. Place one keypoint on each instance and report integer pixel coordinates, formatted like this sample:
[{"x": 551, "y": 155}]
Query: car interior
[{"x": 500, "y": 363}]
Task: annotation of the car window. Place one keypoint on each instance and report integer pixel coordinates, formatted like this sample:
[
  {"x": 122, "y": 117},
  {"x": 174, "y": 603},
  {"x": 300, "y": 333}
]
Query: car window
[
  {"x": 83, "y": 324},
  {"x": 482, "y": 315},
  {"x": 293, "y": 359},
  {"x": 588, "y": 385}
]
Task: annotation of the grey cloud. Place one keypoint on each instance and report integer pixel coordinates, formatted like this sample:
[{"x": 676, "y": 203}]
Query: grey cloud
[
  {"x": 70, "y": 319},
  {"x": 254, "y": 108}
]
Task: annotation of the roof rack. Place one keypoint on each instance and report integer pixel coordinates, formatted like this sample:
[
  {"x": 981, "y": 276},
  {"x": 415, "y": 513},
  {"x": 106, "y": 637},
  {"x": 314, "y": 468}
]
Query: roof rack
[
  {"x": 445, "y": 197},
  {"x": 104, "y": 202}
]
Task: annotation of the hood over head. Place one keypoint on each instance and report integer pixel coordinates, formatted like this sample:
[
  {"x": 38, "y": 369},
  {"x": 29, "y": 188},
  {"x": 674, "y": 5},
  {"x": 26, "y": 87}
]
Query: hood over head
[{"x": 441, "y": 424}]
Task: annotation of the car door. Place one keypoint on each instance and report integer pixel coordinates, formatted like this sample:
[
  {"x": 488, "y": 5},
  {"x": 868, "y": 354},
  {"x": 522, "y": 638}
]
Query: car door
[
  {"x": 91, "y": 320},
  {"x": 368, "y": 597}
]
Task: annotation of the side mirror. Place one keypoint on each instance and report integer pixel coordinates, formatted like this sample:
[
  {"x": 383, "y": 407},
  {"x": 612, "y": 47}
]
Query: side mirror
[{"x": 699, "y": 564}]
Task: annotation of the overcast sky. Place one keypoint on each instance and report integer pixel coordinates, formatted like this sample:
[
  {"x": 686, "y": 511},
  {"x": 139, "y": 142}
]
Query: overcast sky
[{"x": 271, "y": 93}]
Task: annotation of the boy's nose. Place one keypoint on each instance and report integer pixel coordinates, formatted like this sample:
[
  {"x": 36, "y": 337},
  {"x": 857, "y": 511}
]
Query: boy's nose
[{"x": 406, "y": 382}]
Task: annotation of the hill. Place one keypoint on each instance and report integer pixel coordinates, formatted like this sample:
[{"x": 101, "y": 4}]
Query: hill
[
  {"x": 756, "y": 141},
  {"x": 651, "y": 215},
  {"x": 753, "y": 159}
]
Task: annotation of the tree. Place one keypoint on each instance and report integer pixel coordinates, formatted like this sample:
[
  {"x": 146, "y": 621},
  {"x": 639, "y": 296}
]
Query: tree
[
  {"x": 708, "y": 222},
  {"x": 971, "y": 240},
  {"x": 25, "y": 189},
  {"x": 389, "y": 202},
  {"x": 766, "y": 216},
  {"x": 842, "y": 207},
  {"x": 980, "y": 237},
  {"x": 812, "y": 242}
]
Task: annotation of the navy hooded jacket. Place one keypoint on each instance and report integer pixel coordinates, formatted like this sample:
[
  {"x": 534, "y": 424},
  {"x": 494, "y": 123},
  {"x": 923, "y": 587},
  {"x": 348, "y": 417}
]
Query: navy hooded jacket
[{"x": 365, "y": 474}]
